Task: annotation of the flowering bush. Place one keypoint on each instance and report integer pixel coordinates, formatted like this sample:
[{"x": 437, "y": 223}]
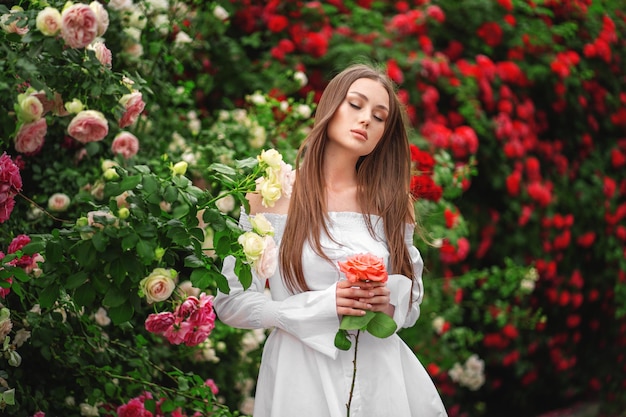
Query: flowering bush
[{"x": 122, "y": 124}]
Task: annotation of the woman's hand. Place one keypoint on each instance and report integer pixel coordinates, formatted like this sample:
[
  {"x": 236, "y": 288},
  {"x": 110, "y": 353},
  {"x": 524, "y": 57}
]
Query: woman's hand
[{"x": 354, "y": 298}]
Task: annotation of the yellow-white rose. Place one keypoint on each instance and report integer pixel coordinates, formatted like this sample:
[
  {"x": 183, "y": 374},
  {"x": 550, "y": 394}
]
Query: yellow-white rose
[
  {"x": 49, "y": 21},
  {"x": 271, "y": 191},
  {"x": 159, "y": 285},
  {"x": 253, "y": 245},
  {"x": 271, "y": 157},
  {"x": 261, "y": 225},
  {"x": 29, "y": 108}
]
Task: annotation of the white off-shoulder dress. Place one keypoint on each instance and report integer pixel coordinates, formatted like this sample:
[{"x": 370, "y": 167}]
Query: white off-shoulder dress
[{"x": 302, "y": 373}]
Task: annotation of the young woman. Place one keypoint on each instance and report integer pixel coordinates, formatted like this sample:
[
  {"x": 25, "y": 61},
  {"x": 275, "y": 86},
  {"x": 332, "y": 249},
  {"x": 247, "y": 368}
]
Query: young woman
[{"x": 350, "y": 196}]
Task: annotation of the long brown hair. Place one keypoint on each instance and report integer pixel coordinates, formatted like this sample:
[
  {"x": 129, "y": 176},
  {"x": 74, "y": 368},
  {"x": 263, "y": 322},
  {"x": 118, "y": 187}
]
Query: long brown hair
[{"x": 383, "y": 182}]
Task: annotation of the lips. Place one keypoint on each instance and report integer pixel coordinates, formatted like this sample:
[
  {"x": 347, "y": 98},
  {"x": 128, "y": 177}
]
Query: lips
[{"x": 360, "y": 133}]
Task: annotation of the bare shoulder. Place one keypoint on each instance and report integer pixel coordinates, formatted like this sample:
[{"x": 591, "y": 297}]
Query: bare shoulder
[{"x": 256, "y": 205}]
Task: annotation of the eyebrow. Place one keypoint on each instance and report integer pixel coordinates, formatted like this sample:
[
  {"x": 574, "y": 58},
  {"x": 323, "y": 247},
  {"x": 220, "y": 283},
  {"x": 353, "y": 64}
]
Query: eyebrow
[{"x": 364, "y": 97}]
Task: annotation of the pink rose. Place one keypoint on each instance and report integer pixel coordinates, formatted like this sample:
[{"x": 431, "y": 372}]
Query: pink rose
[
  {"x": 133, "y": 106},
  {"x": 30, "y": 137},
  {"x": 211, "y": 384},
  {"x": 79, "y": 25},
  {"x": 88, "y": 126},
  {"x": 176, "y": 333},
  {"x": 198, "y": 335},
  {"x": 10, "y": 185},
  {"x": 125, "y": 144},
  {"x": 266, "y": 265},
  {"x": 55, "y": 105},
  {"x": 13, "y": 27},
  {"x": 134, "y": 408},
  {"x": 159, "y": 323},
  {"x": 58, "y": 202},
  {"x": 103, "y": 54},
  {"x": 18, "y": 243}
]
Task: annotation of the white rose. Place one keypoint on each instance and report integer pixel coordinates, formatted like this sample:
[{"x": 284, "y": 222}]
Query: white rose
[
  {"x": 270, "y": 191},
  {"x": 301, "y": 78},
  {"x": 88, "y": 410},
  {"x": 287, "y": 177},
  {"x": 258, "y": 136},
  {"x": 225, "y": 204},
  {"x": 253, "y": 245},
  {"x": 304, "y": 111},
  {"x": 261, "y": 225},
  {"x": 182, "y": 38},
  {"x": 271, "y": 157},
  {"x": 220, "y": 13},
  {"x": 257, "y": 98},
  {"x": 102, "y": 318},
  {"x": 438, "y": 323}
]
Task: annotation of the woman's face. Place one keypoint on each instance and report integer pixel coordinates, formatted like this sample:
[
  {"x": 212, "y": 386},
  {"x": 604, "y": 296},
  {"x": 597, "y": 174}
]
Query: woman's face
[{"x": 359, "y": 122}]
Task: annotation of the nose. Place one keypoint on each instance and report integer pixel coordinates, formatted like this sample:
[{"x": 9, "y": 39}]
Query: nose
[{"x": 364, "y": 119}]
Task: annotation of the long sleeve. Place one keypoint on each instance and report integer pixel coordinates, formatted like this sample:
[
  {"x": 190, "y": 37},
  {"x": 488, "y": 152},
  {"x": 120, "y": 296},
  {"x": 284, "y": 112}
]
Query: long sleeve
[
  {"x": 407, "y": 312},
  {"x": 310, "y": 316}
]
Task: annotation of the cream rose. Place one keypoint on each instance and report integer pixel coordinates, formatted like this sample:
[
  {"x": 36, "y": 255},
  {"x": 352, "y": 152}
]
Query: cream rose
[
  {"x": 58, "y": 202},
  {"x": 102, "y": 17},
  {"x": 261, "y": 225},
  {"x": 88, "y": 126},
  {"x": 270, "y": 191},
  {"x": 103, "y": 54},
  {"x": 13, "y": 27},
  {"x": 29, "y": 108},
  {"x": 48, "y": 21},
  {"x": 253, "y": 245},
  {"x": 79, "y": 25},
  {"x": 159, "y": 285}
]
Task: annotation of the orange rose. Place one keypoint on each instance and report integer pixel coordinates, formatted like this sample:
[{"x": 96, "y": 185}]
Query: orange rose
[{"x": 364, "y": 267}]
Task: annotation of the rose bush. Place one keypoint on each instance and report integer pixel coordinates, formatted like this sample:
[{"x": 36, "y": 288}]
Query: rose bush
[{"x": 517, "y": 110}]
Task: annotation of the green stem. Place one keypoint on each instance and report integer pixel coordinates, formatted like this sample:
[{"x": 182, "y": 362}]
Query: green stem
[{"x": 356, "y": 348}]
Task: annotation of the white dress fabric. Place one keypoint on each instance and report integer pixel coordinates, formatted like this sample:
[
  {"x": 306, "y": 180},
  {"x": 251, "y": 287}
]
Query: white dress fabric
[{"x": 302, "y": 373}]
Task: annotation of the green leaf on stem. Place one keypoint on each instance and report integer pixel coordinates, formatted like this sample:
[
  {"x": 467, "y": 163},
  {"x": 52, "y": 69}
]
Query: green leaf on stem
[
  {"x": 342, "y": 341},
  {"x": 356, "y": 322},
  {"x": 122, "y": 313},
  {"x": 381, "y": 325}
]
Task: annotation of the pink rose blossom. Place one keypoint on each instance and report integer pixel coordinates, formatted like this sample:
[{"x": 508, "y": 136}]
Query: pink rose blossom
[
  {"x": 13, "y": 27},
  {"x": 18, "y": 243},
  {"x": 58, "y": 202},
  {"x": 125, "y": 144},
  {"x": 88, "y": 126},
  {"x": 39, "y": 414},
  {"x": 31, "y": 136},
  {"x": 210, "y": 383},
  {"x": 266, "y": 265},
  {"x": 159, "y": 323},
  {"x": 10, "y": 185},
  {"x": 55, "y": 105},
  {"x": 103, "y": 54},
  {"x": 79, "y": 25},
  {"x": 134, "y": 408},
  {"x": 133, "y": 106}
]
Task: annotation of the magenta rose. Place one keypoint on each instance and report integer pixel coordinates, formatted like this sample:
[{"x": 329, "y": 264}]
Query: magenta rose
[
  {"x": 30, "y": 137},
  {"x": 125, "y": 144},
  {"x": 159, "y": 323},
  {"x": 10, "y": 185},
  {"x": 79, "y": 25},
  {"x": 133, "y": 106},
  {"x": 88, "y": 126}
]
